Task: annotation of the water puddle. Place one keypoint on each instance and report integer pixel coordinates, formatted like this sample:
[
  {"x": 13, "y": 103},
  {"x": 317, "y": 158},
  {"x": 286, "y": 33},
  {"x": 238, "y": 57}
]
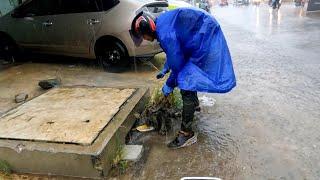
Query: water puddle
[
  {"x": 207, "y": 101},
  {"x": 207, "y": 104}
]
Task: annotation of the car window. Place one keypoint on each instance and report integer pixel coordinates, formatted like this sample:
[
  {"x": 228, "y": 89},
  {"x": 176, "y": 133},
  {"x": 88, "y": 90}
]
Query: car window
[
  {"x": 38, "y": 8},
  {"x": 28, "y": 9},
  {"x": 7, "y": 6},
  {"x": 108, "y": 4},
  {"x": 80, "y": 6},
  {"x": 48, "y": 7},
  {"x": 77, "y": 6}
]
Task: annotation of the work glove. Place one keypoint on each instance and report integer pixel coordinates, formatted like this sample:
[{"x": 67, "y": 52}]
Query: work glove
[
  {"x": 160, "y": 75},
  {"x": 166, "y": 90}
]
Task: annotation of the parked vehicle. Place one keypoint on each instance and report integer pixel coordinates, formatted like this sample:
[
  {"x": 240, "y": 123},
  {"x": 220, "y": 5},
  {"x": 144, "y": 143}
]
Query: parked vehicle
[
  {"x": 241, "y": 2},
  {"x": 223, "y": 3},
  {"x": 81, "y": 28},
  {"x": 173, "y": 4},
  {"x": 256, "y": 2},
  {"x": 275, "y": 4},
  {"x": 204, "y": 5},
  {"x": 299, "y": 3}
]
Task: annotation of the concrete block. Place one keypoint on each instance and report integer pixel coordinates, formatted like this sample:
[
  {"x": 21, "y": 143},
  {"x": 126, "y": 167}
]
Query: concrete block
[
  {"x": 64, "y": 155},
  {"x": 132, "y": 152}
]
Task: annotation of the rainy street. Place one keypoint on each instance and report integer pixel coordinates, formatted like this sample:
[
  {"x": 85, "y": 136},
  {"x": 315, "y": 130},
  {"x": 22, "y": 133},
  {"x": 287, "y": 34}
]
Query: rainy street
[
  {"x": 268, "y": 126},
  {"x": 265, "y": 128}
]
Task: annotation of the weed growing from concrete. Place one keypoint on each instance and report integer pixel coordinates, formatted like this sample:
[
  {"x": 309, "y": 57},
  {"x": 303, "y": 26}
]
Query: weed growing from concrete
[
  {"x": 119, "y": 165},
  {"x": 5, "y": 167},
  {"x": 159, "y": 60}
]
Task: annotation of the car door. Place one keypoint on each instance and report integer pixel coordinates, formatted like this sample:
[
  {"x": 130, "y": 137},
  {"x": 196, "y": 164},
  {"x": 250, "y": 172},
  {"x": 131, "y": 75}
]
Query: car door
[
  {"x": 73, "y": 27},
  {"x": 25, "y": 26}
]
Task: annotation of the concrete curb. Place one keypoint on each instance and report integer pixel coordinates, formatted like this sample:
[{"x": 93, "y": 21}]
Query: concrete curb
[{"x": 93, "y": 161}]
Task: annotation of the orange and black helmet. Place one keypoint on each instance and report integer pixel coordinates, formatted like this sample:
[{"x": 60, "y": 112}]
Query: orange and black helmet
[{"x": 142, "y": 24}]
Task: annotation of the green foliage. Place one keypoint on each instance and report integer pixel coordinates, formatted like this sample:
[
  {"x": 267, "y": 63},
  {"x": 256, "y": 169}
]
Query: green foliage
[
  {"x": 123, "y": 166},
  {"x": 5, "y": 167},
  {"x": 159, "y": 60},
  {"x": 174, "y": 98},
  {"x": 119, "y": 165},
  {"x": 119, "y": 152}
]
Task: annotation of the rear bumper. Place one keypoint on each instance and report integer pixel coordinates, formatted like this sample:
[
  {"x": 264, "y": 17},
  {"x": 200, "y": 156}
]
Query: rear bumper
[
  {"x": 146, "y": 56},
  {"x": 146, "y": 49}
]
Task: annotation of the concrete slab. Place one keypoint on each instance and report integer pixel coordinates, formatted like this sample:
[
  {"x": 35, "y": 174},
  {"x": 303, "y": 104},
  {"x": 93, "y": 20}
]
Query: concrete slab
[
  {"x": 132, "y": 152},
  {"x": 59, "y": 157},
  {"x": 69, "y": 115}
]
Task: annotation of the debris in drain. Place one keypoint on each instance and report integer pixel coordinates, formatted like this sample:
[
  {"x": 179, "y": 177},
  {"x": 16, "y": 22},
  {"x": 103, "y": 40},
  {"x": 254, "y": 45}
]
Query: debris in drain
[
  {"x": 144, "y": 128},
  {"x": 49, "y": 83},
  {"x": 160, "y": 115},
  {"x": 21, "y": 97}
]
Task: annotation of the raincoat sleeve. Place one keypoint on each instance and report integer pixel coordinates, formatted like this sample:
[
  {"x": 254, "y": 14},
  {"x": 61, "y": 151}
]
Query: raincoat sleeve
[
  {"x": 175, "y": 57},
  {"x": 166, "y": 68}
]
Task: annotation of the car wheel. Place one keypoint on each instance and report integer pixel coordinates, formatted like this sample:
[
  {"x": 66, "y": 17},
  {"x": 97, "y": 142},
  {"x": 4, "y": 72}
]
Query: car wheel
[
  {"x": 113, "y": 57},
  {"x": 8, "y": 50}
]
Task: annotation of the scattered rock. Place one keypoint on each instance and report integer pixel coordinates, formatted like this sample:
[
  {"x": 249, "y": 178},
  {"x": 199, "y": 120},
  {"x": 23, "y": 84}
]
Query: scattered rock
[
  {"x": 21, "y": 97},
  {"x": 132, "y": 152},
  {"x": 49, "y": 83}
]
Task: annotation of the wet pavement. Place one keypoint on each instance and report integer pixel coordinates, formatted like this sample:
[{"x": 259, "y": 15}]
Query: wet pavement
[
  {"x": 276, "y": 106},
  {"x": 72, "y": 72},
  {"x": 266, "y": 128}
]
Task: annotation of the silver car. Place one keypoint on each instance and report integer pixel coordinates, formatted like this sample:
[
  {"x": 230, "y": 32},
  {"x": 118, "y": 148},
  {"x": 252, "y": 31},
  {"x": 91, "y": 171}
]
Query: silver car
[{"x": 94, "y": 29}]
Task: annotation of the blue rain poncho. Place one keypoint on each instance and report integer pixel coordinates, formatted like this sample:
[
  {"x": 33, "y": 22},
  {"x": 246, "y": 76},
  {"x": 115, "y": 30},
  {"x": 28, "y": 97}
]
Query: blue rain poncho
[{"x": 197, "y": 52}]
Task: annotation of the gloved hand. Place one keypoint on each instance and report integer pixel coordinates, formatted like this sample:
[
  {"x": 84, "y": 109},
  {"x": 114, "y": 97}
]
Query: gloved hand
[
  {"x": 160, "y": 75},
  {"x": 166, "y": 90}
]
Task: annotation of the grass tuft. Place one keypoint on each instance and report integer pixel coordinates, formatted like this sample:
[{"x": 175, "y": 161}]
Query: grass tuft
[
  {"x": 5, "y": 167},
  {"x": 119, "y": 165}
]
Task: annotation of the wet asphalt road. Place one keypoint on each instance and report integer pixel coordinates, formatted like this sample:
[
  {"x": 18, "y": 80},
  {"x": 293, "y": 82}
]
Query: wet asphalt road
[
  {"x": 268, "y": 126},
  {"x": 274, "y": 112}
]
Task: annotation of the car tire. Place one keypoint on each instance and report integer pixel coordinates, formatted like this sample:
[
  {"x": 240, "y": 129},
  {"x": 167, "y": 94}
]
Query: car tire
[
  {"x": 113, "y": 57},
  {"x": 8, "y": 49}
]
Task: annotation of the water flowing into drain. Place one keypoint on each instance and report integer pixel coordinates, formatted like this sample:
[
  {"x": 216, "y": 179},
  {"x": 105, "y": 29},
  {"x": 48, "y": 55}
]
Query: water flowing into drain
[{"x": 148, "y": 62}]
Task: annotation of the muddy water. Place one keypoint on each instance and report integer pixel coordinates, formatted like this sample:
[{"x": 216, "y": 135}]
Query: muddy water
[{"x": 215, "y": 154}]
